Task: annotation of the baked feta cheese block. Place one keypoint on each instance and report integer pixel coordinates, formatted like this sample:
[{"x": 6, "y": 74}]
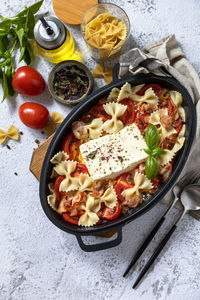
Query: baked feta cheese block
[{"x": 111, "y": 155}]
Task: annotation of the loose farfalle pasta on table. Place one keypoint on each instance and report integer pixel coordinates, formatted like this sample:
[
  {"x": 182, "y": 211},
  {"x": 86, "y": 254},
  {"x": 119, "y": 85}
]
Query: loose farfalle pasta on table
[{"x": 99, "y": 172}]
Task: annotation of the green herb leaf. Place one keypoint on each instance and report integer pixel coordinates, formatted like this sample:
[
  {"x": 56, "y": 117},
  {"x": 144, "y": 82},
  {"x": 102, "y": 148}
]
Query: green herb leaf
[
  {"x": 22, "y": 50},
  {"x": 151, "y": 137},
  {"x": 151, "y": 168},
  {"x": 92, "y": 154},
  {"x": 148, "y": 151},
  {"x": 4, "y": 86},
  {"x": 9, "y": 76},
  {"x": 28, "y": 54},
  {"x": 33, "y": 8},
  {"x": 16, "y": 31},
  {"x": 3, "y": 43},
  {"x": 30, "y": 23},
  {"x": 157, "y": 152},
  {"x": 20, "y": 35}
]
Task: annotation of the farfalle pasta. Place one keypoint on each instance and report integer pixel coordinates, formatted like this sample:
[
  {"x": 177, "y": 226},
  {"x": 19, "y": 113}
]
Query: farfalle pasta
[
  {"x": 127, "y": 91},
  {"x": 85, "y": 131},
  {"x": 105, "y": 32},
  {"x": 115, "y": 110},
  {"x": 99, "y": 172},
  {"x": 66, "y": 168},
  {"x": 12, "y": 133},
  {"x": 89, "y": 217},
  {"x": 148, "y": 97},
  {"x": 109, "y": 198},
  {"x": 141, "y": 184}
]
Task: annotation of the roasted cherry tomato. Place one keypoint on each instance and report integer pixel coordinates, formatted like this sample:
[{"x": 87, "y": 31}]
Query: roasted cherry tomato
[
  {"x": 33, "y": 115},
  {"x": 169, "y": 141},
  {"x": 70, "y": 146},
  {"x": 129, "y": 116},
  {"x": 87, "y": 118},
  {"x": 56, "y": 187},
  {"x": 177, "y": 124},
  {"x": 172, "y": 109},
  {"x": 74, "y": 219},
  {"x": 155, "y": 87},
  {"x": 121, "y": 185},
  {"x": 112, "y": 213},
  {"x": 27, "y": 81},
  {"x": 98, "y": 111},
  {"x": 142, "y": 120},
  {"x": 80, "y": 168}
]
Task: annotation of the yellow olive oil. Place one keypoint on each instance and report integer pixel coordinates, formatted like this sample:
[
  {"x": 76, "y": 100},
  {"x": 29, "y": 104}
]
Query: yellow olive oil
[{"x": 53, "y": 40}]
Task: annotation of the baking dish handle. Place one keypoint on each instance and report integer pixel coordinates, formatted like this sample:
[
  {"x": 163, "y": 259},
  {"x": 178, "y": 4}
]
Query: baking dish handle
[
  {"x": 115, "y": 72},
  {"x": 100, "y": 246}
]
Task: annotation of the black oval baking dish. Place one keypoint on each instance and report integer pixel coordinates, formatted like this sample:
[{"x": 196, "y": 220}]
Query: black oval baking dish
[{"x": 132, "y": 214}]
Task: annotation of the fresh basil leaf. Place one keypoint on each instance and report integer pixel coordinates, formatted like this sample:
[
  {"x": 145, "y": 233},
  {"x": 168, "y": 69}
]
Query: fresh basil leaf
[
  {"x": 29, "y": 53},
  {"x": 148, "y": 151},
  {"x": 151, "y": 167},
  {"x": 33, "y": 8},
  {"x": 20, "y": 35},
  {"x": 4, "y": 86},
  {"x": 9, "y": 75},
  {"x": 19, "y": 21},
  {"x": 30, "y": 23},
  {"x": 6, "y": 23},
  {"x": 151, "y": 137},
  {"x": 28, "y": 56},
  {"x": 3, "y": 43},
  {"x": 157, "y": 152},
  {"x": 22, "y": 50},
  {"x": 1, "y": 74}
]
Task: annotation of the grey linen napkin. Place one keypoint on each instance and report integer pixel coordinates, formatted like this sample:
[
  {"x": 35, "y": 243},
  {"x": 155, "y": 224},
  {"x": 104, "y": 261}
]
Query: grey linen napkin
[{"x": 165, "y": 58}]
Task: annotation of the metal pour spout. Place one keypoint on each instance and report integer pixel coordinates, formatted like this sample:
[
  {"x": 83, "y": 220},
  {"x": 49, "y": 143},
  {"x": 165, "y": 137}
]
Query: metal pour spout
[{"x": 48, "y": 28}]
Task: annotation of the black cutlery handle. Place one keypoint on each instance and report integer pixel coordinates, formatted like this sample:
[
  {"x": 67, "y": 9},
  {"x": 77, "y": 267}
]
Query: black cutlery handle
[
  {"x": 154, "y": 255},
  {"x": 144, "y": 245}
]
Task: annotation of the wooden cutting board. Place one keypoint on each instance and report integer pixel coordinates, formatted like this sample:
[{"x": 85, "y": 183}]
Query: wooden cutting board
[
  {"x": 72, "y": 11},
  {"x": 36, "y": 168}
]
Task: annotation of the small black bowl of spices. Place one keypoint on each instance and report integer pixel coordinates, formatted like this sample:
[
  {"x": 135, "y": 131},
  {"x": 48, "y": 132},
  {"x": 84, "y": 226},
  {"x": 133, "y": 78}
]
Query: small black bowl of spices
[{"x": 70, "y": 82}]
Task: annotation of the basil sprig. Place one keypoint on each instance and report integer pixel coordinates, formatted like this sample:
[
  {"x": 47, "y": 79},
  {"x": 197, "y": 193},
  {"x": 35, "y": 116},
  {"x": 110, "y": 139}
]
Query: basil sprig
[
  {"x": 16, "y": 32},
  {"x": 152, "y": 140}
]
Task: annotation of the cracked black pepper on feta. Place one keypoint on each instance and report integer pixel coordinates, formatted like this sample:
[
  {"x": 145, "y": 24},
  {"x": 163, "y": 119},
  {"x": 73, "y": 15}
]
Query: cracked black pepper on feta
[{"x": 111, "y": 155}]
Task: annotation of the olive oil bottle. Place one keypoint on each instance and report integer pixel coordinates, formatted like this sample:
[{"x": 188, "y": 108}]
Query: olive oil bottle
[{"x": 53, "y": 40}]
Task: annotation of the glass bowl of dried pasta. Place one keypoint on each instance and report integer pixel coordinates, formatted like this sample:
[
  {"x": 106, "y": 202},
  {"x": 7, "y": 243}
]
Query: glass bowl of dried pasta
[{"x": 105, "y": 29}]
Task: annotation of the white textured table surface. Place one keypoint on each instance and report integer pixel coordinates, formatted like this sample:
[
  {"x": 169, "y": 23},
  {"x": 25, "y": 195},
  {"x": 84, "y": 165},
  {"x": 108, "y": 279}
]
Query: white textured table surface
[{"x": 37, "y": 260}]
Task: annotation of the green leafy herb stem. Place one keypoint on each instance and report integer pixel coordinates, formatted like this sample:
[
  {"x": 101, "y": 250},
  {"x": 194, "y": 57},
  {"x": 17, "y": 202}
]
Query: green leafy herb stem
[
  {"x": 16, "y": 32},
  {"x": 152, "y": 141}
]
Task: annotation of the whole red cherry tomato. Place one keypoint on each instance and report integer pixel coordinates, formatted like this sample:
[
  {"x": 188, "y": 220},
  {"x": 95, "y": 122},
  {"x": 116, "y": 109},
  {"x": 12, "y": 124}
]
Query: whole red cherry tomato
[
  {"x": 33, "y": 115},
  {"x": 27, "y": 81}
]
